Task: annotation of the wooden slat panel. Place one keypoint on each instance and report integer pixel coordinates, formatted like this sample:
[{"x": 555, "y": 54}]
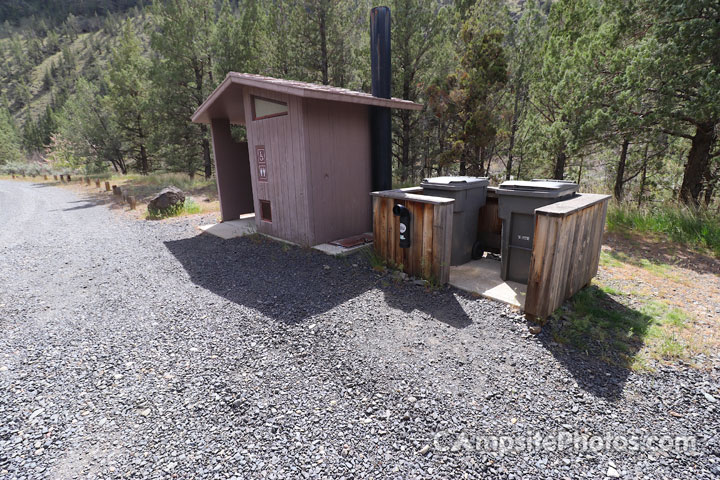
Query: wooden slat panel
[
  {"x": 382, "y": 242},
  {"x": 538, "y": 262},
  {"x": 416, "y": 246},
  {"x": 431, "y": 236},
  {"x": 576, "y": 273},
  {"x": 566, "y": 253},
  {"x": 600, "y": 233},
  {"x": 427, "y": 240},
  {"x": 575, "y": 204}
]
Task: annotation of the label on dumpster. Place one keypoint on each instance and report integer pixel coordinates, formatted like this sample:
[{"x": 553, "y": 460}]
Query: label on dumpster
[
  {"x": 261, "y": 163},
  {"x": 524, "y": 237}
]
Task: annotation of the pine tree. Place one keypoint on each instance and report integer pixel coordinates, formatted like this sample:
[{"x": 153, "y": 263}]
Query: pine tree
[
  {"x": 246, "y": 26},
  {"x": 10, "y": 149},
  {"x": 129, "y": 96},
  {"x": 183, "y": 76},
  {"x": 417, "y": 26}
]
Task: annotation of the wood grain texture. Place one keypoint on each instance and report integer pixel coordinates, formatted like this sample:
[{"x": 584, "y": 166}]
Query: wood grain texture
[
  {"x": 566, "y": 251},
  {"x": 431, "y": 234}
]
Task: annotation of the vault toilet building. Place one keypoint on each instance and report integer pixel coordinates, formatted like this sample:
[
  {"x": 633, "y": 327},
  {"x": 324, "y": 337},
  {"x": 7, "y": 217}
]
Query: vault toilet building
[{"x": 305, "y": 170}]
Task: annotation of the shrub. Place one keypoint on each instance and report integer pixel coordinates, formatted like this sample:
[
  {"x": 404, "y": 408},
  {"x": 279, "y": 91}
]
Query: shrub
[{"x": 189, "y": 207}]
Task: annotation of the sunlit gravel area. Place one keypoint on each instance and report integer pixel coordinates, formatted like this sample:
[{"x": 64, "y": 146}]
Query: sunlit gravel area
[{"x": 139, "y": 349}]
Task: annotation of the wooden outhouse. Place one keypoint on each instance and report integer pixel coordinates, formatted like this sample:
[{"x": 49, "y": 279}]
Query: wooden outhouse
[{"x": 305, "y": 168}]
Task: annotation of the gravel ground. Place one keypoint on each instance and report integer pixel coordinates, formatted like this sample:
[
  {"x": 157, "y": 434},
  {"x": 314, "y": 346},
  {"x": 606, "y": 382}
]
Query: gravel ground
[{"x": 144, "y": 350}]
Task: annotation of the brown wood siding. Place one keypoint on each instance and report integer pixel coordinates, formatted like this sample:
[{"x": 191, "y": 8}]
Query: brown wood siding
[
  {"x": 286, "y": 185},
  {"x": 566, "y": 251},
  {"x": 338, "y": 159},
  {"x": 431, "y": 233}
]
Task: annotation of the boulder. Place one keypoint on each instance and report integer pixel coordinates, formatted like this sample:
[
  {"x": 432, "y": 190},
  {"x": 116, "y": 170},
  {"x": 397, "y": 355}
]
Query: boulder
[{"x": 168, "y": 197}]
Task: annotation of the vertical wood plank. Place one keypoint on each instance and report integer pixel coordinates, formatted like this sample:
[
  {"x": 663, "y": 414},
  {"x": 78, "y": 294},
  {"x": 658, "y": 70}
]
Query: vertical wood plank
[
  {"x": 427, "y": 241},
  {"x": 382, "y": 243}
]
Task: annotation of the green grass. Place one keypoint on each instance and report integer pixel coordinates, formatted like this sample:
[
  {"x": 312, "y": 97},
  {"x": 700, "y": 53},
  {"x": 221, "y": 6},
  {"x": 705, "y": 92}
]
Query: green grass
[
  {"x": 179, "y": 180},
  {"x": 598, "y": 324},
  {"x": 679, "y": 224},
  {"x": 189, "y": 207}
]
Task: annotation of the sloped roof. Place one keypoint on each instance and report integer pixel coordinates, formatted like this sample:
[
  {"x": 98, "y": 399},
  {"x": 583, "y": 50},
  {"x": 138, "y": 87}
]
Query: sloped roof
[{"x": 299, "y": 89}]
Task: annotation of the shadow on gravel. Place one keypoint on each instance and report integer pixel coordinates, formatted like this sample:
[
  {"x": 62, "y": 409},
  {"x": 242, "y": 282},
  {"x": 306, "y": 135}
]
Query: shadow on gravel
[
  {"x": 292, "y": 284},
  {"x": 81, "y": 207},
  {"x": 605, "y": 337}
]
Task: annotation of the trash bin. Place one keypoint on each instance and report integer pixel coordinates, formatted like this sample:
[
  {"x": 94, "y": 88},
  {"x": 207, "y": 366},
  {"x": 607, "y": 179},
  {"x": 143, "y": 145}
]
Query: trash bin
[
  {"x": 469, "y": 194},
  {"x": 517, "y": 201}
]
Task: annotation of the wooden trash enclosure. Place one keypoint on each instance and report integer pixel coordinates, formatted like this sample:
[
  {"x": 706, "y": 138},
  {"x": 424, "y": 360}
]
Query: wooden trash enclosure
[
  {"x": 431, "y": 232},
  {"x": 566, "y": 251},
  {"x": 489, "y": 223}
]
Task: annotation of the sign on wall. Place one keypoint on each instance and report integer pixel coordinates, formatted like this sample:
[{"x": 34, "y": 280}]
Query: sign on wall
[{"x": 261, "y": 160}]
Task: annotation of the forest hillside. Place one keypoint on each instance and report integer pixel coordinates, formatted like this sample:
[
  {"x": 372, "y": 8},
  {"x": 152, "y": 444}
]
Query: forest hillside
[{"x": 620, "y": 96}]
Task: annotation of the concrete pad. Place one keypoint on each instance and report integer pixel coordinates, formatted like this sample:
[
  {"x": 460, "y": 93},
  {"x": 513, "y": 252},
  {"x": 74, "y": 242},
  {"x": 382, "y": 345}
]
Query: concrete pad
[
  {"x": 483, "y": 277},
  {"x": 337, "y": 250},
  {"x": 233, "y": 228}
]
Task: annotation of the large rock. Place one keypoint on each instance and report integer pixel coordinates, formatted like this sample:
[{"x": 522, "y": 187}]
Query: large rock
[{"x": 168, "y": 197}]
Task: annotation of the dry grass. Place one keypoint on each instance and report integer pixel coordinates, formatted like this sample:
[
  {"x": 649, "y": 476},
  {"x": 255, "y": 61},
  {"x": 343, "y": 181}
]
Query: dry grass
[
  {"x": 642, "y": 310},
  {"x": 201, "y": 194}
]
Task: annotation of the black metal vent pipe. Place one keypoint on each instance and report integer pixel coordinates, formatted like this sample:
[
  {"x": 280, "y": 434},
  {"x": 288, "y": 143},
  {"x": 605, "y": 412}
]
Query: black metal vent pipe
[{"x": 380, "y": 127}]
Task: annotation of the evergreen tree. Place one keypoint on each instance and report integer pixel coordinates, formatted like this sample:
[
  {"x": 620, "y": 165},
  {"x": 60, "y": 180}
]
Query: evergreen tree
[
  {"x": 677, "y": 63},
  {"x": 129, "y": 96},
  {"x": 10, "y": 149},
  {"x": 246, "y": 26},
  {"x": 417, "y": 26},
  {"x": 87, "y": 131},
  {"x": 183, "y": 76}
]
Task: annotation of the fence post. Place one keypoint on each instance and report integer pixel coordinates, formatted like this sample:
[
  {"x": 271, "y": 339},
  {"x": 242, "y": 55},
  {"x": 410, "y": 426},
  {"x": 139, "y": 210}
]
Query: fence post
[
  {"x": 107, "y": 186},
  {"x": 132, "y": 202}
]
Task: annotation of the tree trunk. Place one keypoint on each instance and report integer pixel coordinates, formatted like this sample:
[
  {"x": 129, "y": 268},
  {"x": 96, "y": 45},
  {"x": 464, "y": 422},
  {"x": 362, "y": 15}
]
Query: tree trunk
[
  {"x": 620, "y": 174},
  {"x": 144, "y": 164},
  {"x": 405, "y": 145},
  {"x": 711, "y": 181},
  {"x": 559, "y": 170},
  {"x": 697, "y": 163},
  {"x": 643, "y": 177},
  {"x": 323, "y": 47},
  {"x": 580, "y": 170},
  {"x": 513, "y": 131}
]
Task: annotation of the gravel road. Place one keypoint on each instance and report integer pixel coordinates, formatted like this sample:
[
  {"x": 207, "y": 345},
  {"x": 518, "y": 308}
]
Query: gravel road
[{"x": 145, "y": 350}]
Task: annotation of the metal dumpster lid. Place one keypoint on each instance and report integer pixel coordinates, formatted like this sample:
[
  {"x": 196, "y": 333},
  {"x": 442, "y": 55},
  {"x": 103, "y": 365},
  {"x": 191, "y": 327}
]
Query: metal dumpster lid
[
  {"x": 539, "y": 185},
  {"x": 455, "y": 182}
]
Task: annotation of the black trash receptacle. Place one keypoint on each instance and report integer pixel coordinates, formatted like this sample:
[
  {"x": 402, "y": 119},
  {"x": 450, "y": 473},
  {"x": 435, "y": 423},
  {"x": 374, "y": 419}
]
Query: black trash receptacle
[
  {"x": 517, "y": 201},
  {"x": 469, "y": 194}
]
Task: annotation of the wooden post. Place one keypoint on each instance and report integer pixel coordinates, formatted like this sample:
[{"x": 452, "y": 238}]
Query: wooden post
[
  {"x": 116, "y": 190},
  {"x": 87, "y": 180},
  {"x": 68, "y": 177},
  {"x": 55, "y": 177},
  {"x": 107, "y": 186},
  {"x": 44, "y": 177},
  {"x": 132, "y": 202},
  {"x": 97, "y": 183}
]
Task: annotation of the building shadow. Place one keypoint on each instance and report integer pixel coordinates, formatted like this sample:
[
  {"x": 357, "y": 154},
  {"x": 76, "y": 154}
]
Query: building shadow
[
  {"x": 596, "y": 339},
  {"x": 292, "y": 284}
]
